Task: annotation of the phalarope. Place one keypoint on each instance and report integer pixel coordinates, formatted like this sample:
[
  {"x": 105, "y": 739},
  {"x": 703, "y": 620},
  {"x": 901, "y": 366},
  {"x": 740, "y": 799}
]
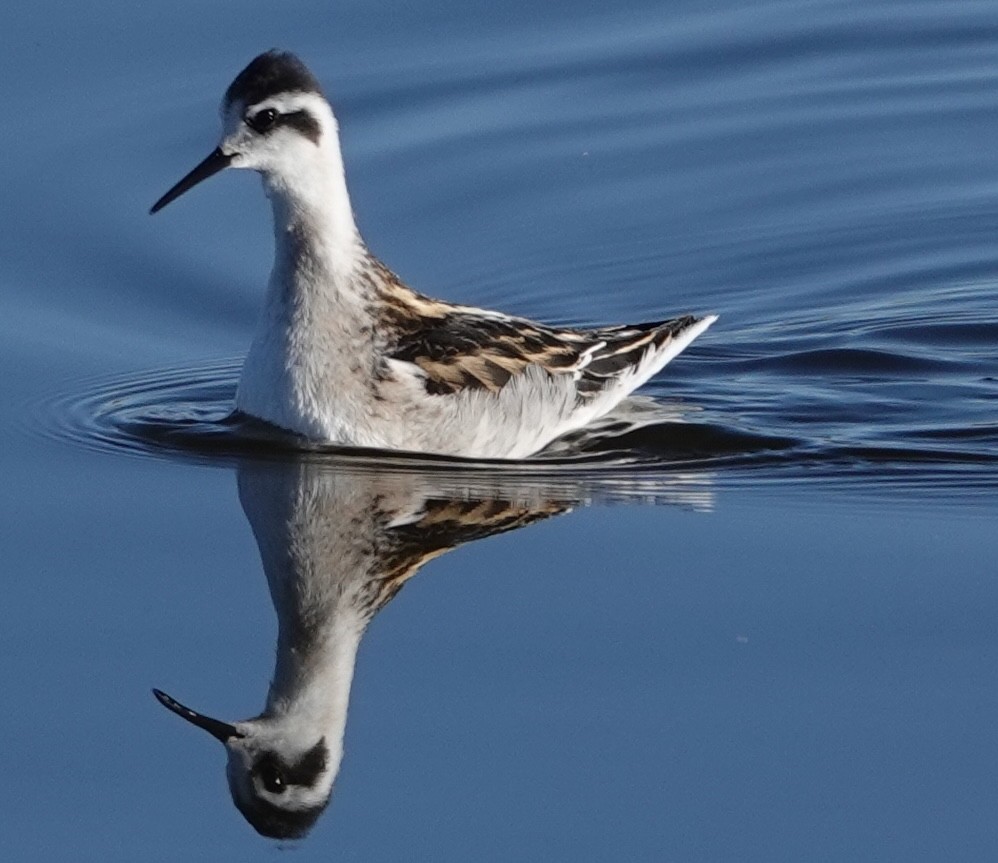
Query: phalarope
[{"x": 346, "y": 353}]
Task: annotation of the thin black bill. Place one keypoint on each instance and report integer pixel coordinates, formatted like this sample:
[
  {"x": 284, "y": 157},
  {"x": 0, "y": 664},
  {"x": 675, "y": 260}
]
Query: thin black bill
[
  {"x": 216, "y": 161},
  {"x": 215, "y": 727}
]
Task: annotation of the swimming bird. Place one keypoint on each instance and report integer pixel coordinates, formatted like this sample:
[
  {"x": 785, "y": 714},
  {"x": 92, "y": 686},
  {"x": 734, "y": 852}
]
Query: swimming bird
[{"x": 345, "y": 353}]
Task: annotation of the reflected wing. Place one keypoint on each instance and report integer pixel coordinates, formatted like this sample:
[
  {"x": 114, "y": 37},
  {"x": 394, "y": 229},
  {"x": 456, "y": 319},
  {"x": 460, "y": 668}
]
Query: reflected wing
[{"x": 446, "y": 524}]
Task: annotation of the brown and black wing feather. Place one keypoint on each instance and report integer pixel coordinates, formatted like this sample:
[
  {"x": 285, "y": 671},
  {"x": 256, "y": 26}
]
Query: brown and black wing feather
[
  {"x": 461, "y": 351},
  {"x": 443, "y": 525},
  {"x": 464, "y": 351},
  {"x": 624, "y": 348},
  {"x": 459, "y": 348}
]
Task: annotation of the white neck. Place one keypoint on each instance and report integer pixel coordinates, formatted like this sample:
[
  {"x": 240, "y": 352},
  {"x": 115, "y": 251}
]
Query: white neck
[
  {"x": 315, "y": 324},
  {"x": 318, "y": 554},
  {"x": 310, "y": 692},
  {"x": 314, "y": 229}
]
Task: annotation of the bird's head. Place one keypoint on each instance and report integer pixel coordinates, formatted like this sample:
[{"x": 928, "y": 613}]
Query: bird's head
[
  {"x": 280, "y": 775},
  {"x": 275, "y": 120}
]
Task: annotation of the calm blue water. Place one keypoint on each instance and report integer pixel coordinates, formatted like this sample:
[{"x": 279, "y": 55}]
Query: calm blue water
[{"x": 766, "y": 632}]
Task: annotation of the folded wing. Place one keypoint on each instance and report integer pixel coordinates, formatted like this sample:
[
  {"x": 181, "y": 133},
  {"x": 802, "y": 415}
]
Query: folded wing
[{"x": 462, "y": 350}]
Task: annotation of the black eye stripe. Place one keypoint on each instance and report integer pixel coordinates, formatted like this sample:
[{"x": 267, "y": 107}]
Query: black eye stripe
[
  {"x": 276, "y": 774},
  {"x": 301, "y": 121}
]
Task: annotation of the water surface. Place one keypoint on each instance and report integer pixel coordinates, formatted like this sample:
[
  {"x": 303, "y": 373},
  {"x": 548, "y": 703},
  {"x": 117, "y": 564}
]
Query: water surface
[{"x": 764, "y": 631}]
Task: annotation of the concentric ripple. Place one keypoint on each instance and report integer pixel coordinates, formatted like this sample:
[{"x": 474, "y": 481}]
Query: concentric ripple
[
  {"x": 157, "y": 413},
  {"x": 186, "y": 413}
]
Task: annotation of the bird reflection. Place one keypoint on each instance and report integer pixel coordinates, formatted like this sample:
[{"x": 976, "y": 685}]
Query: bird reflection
[{"x": 337, "y": 545}]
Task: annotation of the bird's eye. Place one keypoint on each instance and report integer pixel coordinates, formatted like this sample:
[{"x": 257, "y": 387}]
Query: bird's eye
[
  {"x": 272, "y": 778},
  {"x": 263, "y": 120}
]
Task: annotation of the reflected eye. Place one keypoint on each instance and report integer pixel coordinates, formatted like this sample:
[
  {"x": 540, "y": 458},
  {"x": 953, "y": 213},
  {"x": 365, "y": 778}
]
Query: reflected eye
[
  {"x": 263, "y": 120},
  {"x": 272, "y": 778}
]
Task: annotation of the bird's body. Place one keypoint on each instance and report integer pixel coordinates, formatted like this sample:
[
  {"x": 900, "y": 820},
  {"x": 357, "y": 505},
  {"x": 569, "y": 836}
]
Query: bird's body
[{"x": 345, "y": 353}]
